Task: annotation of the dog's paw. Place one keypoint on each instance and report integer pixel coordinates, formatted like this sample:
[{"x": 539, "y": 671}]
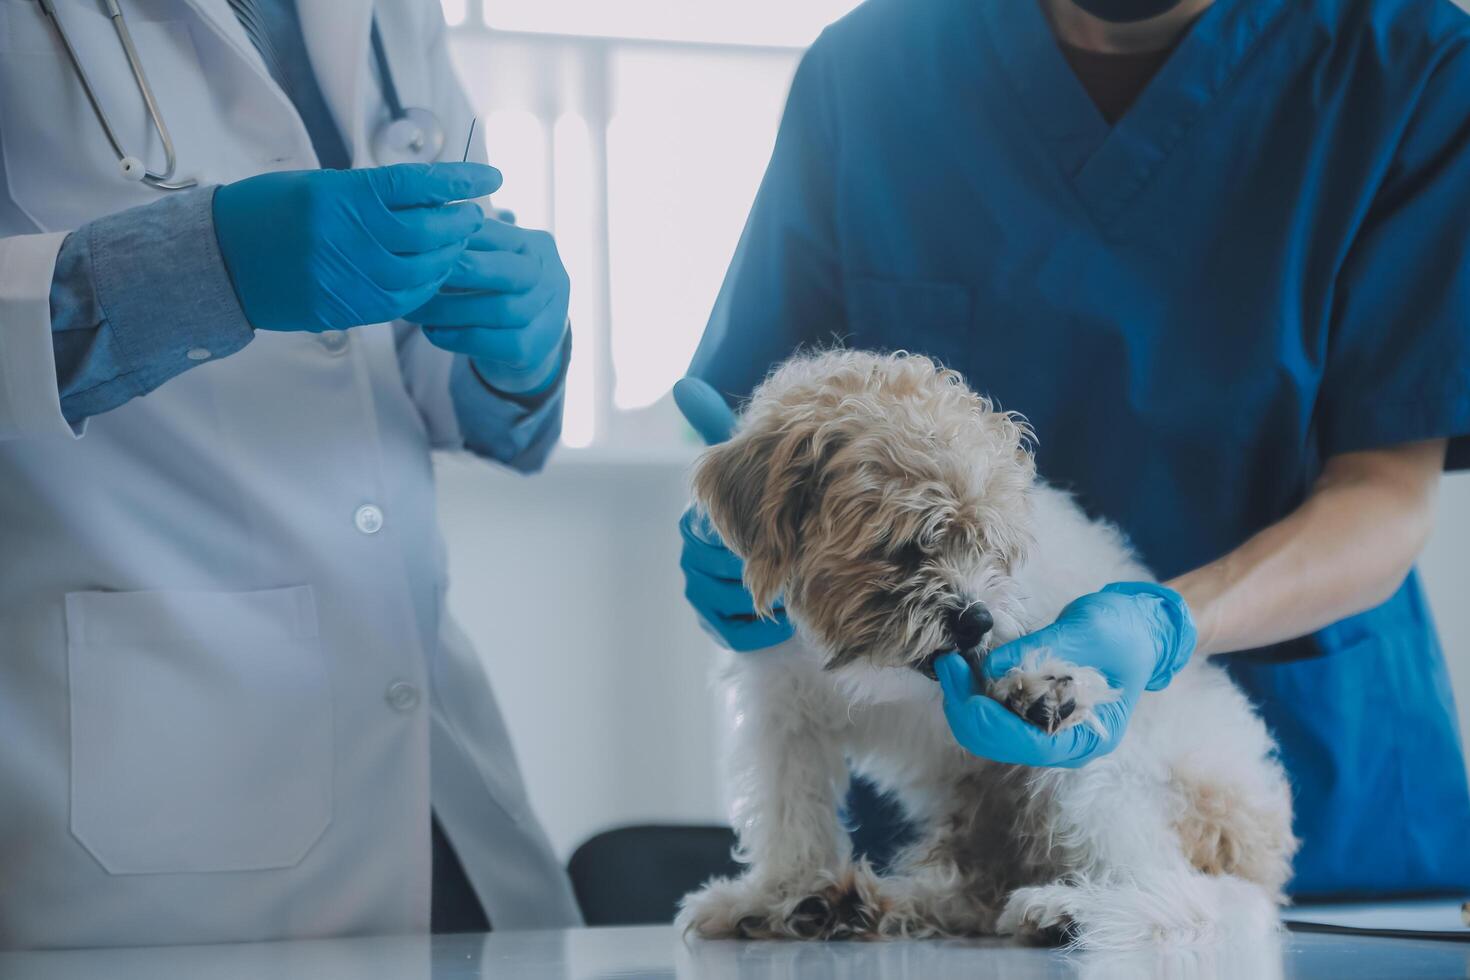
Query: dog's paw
[
  {"x": 716, "y": 910},
  {"x": 1053, "y": 694},
  {"x": 1130, "y": 911},
  {"x": 842, "y": 905},
  {"x": 1040, "y": 916}
]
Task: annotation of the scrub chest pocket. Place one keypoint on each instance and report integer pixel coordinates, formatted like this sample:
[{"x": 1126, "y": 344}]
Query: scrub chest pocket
[{"x": 201, "y": 727}]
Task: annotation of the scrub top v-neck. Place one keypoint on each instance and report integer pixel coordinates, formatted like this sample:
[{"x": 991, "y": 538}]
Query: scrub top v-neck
[
  {"x": 1114, "y": 80},
  {"x": 1265, "y": 262}
]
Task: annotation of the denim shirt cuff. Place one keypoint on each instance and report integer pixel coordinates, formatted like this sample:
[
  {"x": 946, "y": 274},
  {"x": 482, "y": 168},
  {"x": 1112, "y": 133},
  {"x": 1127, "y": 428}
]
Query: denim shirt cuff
[
  {"x": 519, "y": 432},
  {"x": 137, "y": 298}
]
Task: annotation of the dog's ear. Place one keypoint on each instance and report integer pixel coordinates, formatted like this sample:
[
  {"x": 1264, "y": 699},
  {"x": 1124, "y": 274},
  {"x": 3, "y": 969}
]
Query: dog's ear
[{"x": 755, "y": 489}]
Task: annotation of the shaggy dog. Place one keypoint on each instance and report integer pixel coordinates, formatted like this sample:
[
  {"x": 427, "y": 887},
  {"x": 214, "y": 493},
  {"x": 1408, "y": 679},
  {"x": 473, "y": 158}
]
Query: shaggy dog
[{"x": 897, "y": 514}]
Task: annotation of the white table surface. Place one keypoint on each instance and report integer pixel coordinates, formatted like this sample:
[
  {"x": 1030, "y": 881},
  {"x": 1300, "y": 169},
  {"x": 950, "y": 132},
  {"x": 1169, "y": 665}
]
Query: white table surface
[{"x": 657, "y": 953}]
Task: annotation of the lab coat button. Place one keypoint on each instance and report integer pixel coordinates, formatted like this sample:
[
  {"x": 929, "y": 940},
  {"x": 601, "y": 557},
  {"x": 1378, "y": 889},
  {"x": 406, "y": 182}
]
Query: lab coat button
[
  {"x": 198, "y": 354},
  {"x": 369, "y": 519},
  {"x": 403, "y": 696},
  {"x": 335, "y": 341}
]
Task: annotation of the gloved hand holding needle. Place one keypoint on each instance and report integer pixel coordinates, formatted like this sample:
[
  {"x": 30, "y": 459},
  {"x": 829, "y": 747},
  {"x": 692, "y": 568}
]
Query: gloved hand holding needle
[
  {"x": 320, "y": 250},
  {"x": 328, "y": 250}
]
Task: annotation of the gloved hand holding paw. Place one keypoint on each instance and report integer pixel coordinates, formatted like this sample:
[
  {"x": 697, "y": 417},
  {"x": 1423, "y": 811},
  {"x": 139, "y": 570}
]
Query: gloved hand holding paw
[{"x": 1137, "y": 634}]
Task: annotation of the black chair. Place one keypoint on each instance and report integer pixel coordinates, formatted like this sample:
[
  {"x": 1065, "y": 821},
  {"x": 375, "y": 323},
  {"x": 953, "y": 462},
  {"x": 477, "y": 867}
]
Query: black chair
[{"x": 636, "y": 875}]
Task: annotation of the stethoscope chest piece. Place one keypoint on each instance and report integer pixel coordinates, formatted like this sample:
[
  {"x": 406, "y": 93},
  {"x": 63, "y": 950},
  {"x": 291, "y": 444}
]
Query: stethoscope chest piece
[{"x": 414, "y": 136}]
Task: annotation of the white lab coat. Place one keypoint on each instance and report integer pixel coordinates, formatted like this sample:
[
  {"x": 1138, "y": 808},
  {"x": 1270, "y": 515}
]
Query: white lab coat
[{"x": 219, "y": 693}]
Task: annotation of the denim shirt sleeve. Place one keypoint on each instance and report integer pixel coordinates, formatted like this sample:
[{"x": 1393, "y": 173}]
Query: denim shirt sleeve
[
  {"x": 137, "y": 298},
  {"x": 519, "y": 432}
]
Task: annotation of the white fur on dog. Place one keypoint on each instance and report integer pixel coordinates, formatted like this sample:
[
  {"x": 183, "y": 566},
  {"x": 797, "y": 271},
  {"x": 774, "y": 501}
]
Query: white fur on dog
[{"x": 1181, "y": 835}]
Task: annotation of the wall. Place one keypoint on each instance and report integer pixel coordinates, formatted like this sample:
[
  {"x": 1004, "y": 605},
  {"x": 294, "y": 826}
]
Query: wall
[
  {"x": 1445, "y": 565},
  {"x": 568, "y": 583}
]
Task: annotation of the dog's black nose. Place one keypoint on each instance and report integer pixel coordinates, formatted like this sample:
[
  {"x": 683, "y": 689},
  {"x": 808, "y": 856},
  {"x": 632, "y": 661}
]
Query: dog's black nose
[{"x": 969, "y": 625}]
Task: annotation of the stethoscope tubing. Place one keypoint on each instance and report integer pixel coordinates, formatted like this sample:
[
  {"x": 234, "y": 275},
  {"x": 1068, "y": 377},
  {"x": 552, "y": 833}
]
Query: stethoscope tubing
[
  {"x": 166, "y": 181},
  {"x": 385, "y": 74},
  {"x": 163, "y": 181}
]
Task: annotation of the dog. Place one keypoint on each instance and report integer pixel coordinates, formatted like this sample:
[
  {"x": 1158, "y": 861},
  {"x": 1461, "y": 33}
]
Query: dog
[{"x": 898, "y": 514}]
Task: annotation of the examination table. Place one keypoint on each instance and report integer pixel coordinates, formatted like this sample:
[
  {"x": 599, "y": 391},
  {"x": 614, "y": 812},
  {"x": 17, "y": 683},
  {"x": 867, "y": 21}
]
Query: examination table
[{"x": 657, "y": 953}]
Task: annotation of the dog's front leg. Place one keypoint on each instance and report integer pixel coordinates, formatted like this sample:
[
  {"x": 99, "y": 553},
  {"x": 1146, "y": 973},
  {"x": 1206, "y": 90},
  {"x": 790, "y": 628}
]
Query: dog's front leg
[
  {"x": 788, "y": 775},
  {"x": 952, "y": 880}
]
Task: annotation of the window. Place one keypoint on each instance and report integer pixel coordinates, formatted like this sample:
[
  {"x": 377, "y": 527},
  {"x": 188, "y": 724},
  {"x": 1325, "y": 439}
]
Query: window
[{"x": 637, "y": 131}]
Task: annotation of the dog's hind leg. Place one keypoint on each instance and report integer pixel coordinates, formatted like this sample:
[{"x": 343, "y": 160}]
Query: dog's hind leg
[
  {"x": 1123, "y": 879},
  {"x": 789, "y": 775}
]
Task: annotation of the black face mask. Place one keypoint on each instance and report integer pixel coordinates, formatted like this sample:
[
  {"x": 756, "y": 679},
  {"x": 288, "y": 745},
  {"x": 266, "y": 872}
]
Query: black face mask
[{"x": 1126, "y": 11}]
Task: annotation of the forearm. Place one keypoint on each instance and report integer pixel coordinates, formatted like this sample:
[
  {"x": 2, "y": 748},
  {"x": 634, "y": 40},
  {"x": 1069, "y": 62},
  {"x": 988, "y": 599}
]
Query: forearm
[{"x": 1347, "y": 548}]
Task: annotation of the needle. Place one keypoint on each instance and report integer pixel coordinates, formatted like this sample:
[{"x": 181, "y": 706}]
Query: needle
[{"x": 468, "y": 139}]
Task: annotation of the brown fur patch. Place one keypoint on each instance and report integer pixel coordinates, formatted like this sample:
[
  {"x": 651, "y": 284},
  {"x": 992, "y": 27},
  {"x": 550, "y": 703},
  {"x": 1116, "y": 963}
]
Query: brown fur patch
[{"x": 1224, "y": 834}]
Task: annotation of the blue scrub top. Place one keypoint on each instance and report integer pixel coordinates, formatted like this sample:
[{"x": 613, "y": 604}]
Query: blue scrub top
[{"x": 1264, "y": 263}]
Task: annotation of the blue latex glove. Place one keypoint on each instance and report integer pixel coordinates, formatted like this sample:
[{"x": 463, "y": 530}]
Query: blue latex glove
[
  {"x": 1138, "y": 634},
  {"x": 713, "y": 574},
  {"x": 332, "y": 249},
  {"x": 505, "y": 306}
]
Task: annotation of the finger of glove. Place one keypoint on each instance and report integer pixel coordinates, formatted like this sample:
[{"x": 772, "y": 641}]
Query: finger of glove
[
  {"x": 1172, "y": 626},
  {"x": 392, "y": 271},
  {"x": 696, "y": 527},
  {"x": 499, "y": 271},
  {"x": 525, "y": 381},
  {"x": 717, "y": 596},
  {"x": 516, "y": 350},
  {"x": 704, "y": 409},
  {"x": 1009, "y": 655},
  {"x": 398, "y": 303},
  {"x": 1089, "y": 744},
  {"x": 490, "y": 311},
  {"x": 751, "y": 635},
  {"x": 704, "y": 550},
  {"x": 528, "y": 242},
  {"x": 418, "y": 185},
  {"x": 500, "y": 236},
  {"x": 423, "y": 229},
  {"x": 988, "y": 729},
  {"x": 955, "y": 678}
]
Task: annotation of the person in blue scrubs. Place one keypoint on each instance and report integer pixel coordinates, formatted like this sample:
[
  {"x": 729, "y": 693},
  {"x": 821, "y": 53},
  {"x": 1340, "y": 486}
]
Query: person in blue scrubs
[{"x": 1218, "y": 253}]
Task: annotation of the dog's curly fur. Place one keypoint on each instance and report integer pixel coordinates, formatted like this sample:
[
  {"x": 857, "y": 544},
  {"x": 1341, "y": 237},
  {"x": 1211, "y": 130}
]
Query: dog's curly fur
[{"x": 875, "y": 494}]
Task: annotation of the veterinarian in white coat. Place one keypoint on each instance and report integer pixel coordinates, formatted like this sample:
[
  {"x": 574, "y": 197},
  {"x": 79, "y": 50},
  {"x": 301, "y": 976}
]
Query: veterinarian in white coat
[{"x": 225, "y": 662}]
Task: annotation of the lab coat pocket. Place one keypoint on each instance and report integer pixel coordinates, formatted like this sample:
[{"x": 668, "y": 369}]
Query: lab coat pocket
[
  {"x": 918, "y": 316},
  {"x": 201, "y": 726}
]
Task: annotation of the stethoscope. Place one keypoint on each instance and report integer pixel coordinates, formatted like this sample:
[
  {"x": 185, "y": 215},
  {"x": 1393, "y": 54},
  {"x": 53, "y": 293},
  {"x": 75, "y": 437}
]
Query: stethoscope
[{"x": 411, "y": 135}]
